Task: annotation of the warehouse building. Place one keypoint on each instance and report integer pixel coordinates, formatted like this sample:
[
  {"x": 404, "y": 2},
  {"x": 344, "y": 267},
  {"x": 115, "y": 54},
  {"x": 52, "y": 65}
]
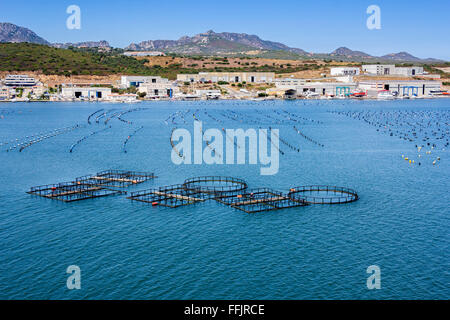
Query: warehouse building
[
  {"x": 391, "y": 69},
  {"x": 408, "y": 71},
  {"x": 137, "y": 81},
  {"x": 20, "y": 81},
  {"x": 249, "y": 77},
  {"x": 4, "y": 93},
  {"x": 89, "y": 93},
  {"x": 344, "y": 71},
  {"x": 161, "y": 89},
  {"x": 379, "y": 69},
  {"x": 408, "y": 88},
  {"x": 303, "y": 87}
]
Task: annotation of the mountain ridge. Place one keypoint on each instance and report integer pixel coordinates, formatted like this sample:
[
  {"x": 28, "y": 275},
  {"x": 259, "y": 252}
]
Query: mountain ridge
[
  {"x": 10, "y": 32},
  {"x": 212, "y": 43}
]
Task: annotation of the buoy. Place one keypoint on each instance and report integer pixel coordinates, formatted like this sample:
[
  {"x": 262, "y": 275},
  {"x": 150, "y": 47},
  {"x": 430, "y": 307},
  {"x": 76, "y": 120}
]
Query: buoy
[
  {"x": 239, "y": 195},
  {"x": 154, "y": 204}
]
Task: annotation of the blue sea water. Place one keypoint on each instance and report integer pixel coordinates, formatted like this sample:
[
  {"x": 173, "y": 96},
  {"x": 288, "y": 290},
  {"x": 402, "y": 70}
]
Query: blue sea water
[{"x": 130, "y": 250}]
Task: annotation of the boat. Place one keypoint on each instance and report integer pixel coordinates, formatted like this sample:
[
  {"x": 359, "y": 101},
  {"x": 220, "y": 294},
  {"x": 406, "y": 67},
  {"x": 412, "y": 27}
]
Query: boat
[
  {"x": 438, "y": 93},
  {"x": 311, "y": 94},
  {"x": 385, "y": 95},
  {"x": 358, "y": 94}
]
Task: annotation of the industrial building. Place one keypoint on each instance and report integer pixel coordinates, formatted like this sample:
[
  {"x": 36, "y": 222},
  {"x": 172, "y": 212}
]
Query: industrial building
[
  {"x": 208, "y": 94},
  {"x": 379, "y": 69},
  {"x": 344, "y": 71},
  {"x": 249, "y": 77},
  {"x": 137, "y": 81},
  {"x": 144, "y": 53},
  {"x": 418, "y": 88},
  {"x": 4, "y": 93},
  {"x": 161, "y": 89},
  {"x": 302, "y": 87},
  {"x": 408, "y": 71},
  {"x": 89, "y": 93},
  {"x": 288, "y": 82},
  {"x": 391, "y": 69},
  {"x": 19, "y": 81}
]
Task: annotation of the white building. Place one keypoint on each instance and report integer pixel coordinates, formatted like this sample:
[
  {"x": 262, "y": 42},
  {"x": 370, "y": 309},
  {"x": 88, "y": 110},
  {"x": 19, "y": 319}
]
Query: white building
[
  {"x": 344, "y": 71},
  {"x": 89, "y": 93},
  {"x": 250, "y": 77},
  {"x": 162, "y": 89},
  {"x": 288, "y": 82},
  {"x": 379, "y": 69},
  {"x": 144, "y": 53},
  {"x": 417, "y": 88},
  {"x": 302, "y": 87},
  {"x": 19, "y": 80},
  {"x": 137, "y": 81},
  {"x": 408, "y": 71},
  {"x": 208, "y": 94},
  {"x": 391, "y": 69},
  {"x": 126, "y": 97},
  {"x": 4, "y": 93}
]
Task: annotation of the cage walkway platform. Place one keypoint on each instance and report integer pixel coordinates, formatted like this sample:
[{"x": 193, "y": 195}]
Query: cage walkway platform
[{"x": 101, "y": 184}]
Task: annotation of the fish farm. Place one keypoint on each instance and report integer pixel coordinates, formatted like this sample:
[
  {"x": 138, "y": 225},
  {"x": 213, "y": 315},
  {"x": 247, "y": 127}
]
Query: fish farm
[
  {"x": 234, "y": 192},
  {"x": 98, "y": 185},
  {"x": 323, "y": 194}
]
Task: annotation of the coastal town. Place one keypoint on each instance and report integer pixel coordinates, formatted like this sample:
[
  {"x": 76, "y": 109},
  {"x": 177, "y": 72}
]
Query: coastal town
[{"x": 376, "y": 81}]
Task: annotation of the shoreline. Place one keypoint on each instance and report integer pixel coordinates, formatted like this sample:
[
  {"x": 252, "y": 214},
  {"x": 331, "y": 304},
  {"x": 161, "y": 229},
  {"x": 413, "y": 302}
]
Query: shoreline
[{"x": 203, "y": 100}]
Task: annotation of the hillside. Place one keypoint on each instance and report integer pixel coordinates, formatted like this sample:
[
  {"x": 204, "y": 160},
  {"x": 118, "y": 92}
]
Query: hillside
[
  {"x": 49, "y": 60},
  {"x": 211, "y": 42},
  {"x": 11, "y": 33},
  {"x": 20, "y": 57}
]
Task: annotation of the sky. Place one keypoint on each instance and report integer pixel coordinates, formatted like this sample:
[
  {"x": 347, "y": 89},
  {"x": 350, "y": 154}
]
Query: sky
[{"x": 421, "y": 28}]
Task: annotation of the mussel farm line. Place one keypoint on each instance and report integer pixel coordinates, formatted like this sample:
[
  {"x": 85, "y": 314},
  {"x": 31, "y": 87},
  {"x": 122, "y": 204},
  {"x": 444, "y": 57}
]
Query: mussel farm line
[
  {"x": 428, "y": 130},
  {"x": 129, "y": 137},
  {"x": 85, "y": 137},
  {"x": 93, "y": 114},
  {"x": 22, "y": 146}
]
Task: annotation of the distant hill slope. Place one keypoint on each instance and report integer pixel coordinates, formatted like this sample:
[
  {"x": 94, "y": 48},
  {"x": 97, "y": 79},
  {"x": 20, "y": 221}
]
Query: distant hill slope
[
  {"x": 11, "y": 33},
  {"x": 22, "y": 57},
  {"x": 215, "y": 44},
  {"x": 344, "y": 51},
  {"x": 211, "y": 42}
]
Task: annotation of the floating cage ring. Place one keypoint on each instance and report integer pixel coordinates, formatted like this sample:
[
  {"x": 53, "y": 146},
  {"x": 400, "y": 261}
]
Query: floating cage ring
[
  {"x": 216, "y": 185},
  {"x": 323, "y": 194}
]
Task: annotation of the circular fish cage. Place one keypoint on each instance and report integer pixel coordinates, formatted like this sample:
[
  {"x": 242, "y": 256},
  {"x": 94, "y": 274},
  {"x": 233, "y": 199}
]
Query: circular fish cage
[
  {"x": 323, "y": 194},
  {"x": 215, "y": 185}
]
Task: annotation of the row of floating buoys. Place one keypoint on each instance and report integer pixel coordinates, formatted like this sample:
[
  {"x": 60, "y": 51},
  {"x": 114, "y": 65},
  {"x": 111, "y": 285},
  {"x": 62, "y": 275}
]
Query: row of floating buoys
[
  {"x": 85, "y": 137},
  {"x": 230, "y": 139},
  {"x": 174, "y": 147},
  {"x": 41, "y": 137},
  {"x": 129, "y": 137},
  {"x": 270, "y": 140},
  {"x": 93, "y": 114},
  {"x": 308, "y": 138},
  {"x": 285, "y": 142},
  {"x": 428, "y": 129}
]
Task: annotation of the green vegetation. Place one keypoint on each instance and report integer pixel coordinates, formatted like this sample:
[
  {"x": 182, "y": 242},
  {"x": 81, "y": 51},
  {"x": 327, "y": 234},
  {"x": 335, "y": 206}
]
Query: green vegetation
[
  {"x": 72, "y": 61},
  {"x": 48, "y": 60}
]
